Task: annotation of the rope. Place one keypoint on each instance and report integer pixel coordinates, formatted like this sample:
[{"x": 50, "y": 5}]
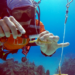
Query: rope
[{"x": 68, "y": 3}]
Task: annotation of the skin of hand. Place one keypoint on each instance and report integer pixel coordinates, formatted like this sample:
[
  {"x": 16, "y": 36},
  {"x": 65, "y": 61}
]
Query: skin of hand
[
  {"x": 49, "y": 49},
  {"x": 10, "y": 23}
]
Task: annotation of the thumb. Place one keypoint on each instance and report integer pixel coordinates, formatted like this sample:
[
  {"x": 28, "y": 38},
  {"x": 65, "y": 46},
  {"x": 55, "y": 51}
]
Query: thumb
[{"x": 63, "y": 44}]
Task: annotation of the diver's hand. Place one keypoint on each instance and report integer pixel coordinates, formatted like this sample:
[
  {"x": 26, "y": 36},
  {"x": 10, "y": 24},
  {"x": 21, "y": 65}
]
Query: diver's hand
[
  {"x": 49, "y": 49},
  {"x": 10, "y": 23}
]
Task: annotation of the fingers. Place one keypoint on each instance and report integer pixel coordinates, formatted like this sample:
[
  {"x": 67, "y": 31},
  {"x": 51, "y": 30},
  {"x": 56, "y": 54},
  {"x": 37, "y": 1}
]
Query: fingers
[
  {"x": 63, "y": 44},
  {"x": 1, "y": 33},
  {"x": 48, "y": 36},
  {"x": 11, "y": 26},
  {"x": 43, "y": 33},
  {"x": 20, "y": 28},
  {"x": 55, "y": 38},
  {"x": 5, "y": 28},
  {"x": 10, "y": 23}
]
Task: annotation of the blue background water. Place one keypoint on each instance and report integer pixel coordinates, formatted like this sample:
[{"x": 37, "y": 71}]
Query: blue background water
[{"x": 53, "y": 17}]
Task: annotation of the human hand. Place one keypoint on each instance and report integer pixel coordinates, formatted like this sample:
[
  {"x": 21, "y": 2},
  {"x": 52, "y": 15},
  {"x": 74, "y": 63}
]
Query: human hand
[
  {"x": 47, "y": 48},
  {"x": 10, "y": 23}
]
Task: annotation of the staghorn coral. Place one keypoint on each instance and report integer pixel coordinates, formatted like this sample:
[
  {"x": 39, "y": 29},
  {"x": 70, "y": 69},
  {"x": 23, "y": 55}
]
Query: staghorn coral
[
  {"x": 11, "y": 67},
  {"x": 68, "y": 66},
  {"x": 47, "y": 72}
]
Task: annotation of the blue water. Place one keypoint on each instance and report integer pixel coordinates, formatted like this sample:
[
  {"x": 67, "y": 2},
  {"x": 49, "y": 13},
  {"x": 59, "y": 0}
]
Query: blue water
[{"x": 53, "y": 17}]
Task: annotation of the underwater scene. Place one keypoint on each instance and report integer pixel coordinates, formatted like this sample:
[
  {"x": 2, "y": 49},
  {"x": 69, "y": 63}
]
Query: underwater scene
[{"x": 46, "y": 58}]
